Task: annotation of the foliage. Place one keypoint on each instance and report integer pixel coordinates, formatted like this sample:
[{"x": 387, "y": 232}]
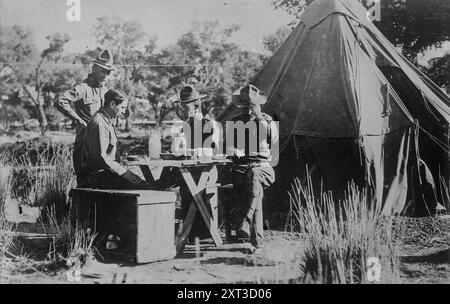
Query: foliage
[
  {"x": 204, "y": 56},
  {"x": 73, "y": 244},
  {"x": 31, "y": 71},
  {"x": 273, "y": 41},
  {"x": 439, "y": 72},
  {"x": 341, "y": 236},
  {"x": 43, "y": 176}
]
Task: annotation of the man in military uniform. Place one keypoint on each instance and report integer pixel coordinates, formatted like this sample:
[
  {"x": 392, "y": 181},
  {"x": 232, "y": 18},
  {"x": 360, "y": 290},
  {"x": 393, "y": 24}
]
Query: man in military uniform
[
  {"x": 201, "y": 134},
  {"x": 251, "y": 172},
  {"x": 199, "y": 131},
  {"x": 99, "y": 166},
  {"x": 87, "y": 97}
]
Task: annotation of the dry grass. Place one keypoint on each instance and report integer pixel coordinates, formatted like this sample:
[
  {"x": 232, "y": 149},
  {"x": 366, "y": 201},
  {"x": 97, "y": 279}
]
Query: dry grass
[
  {"x": 44, "y": 178},
  {"x": 41, "y": 175},
  {"x": 342, "y": 236},
  {"x": 72, "y": 243}
]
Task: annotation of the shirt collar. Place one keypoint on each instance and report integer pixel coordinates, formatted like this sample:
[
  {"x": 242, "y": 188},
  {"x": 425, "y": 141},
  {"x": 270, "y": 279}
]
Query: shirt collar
[{"x": 106, "y": 116}]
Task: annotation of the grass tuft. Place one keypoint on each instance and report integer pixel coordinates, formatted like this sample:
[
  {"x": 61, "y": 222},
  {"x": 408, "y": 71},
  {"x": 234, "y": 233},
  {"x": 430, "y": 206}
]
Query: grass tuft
[{"x": 342, "y": 237}]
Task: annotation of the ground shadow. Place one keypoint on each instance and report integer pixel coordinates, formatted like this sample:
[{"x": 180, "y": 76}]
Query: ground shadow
[
  {"x": 225, "y": 260},
  {"x": 440, "y": 257}
]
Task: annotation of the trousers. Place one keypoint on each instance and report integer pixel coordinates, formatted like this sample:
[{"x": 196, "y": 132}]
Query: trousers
[{"x": 249, "y": 182}]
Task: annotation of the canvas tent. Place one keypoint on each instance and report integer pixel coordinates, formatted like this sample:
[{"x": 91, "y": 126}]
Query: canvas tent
[{"x": 351, "y": 107}]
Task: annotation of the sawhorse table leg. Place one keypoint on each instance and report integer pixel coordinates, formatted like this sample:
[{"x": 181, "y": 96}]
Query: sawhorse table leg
[{"x": 207, "y": 178}]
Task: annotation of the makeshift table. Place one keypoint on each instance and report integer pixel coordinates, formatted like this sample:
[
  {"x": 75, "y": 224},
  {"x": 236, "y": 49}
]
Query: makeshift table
[{"x": 206, "y": 184}]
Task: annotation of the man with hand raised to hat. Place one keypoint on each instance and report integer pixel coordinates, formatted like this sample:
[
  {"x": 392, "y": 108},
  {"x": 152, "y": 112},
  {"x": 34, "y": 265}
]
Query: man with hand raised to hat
[
  {"x": 251, "y": 172},
  {"x": 86, "y": 97},
  {"x": 200, "y": 131}
]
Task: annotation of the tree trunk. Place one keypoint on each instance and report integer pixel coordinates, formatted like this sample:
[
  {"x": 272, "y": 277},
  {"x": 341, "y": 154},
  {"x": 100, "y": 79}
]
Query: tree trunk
[
  {"x": 44, "y": 123},
  {"x": 126, "y": 89},
  {"x": 128, "y": 117}
]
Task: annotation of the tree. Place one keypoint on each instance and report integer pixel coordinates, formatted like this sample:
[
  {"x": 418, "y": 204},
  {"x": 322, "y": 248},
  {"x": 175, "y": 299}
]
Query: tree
[
  {"x": 29, "y": 67},
  {"x": 199, "y": 57},
  {"x": 272, "y": 41},
  {"x": 439, "y": 72}
]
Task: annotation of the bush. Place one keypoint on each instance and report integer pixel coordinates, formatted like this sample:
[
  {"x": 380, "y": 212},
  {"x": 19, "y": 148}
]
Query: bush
[
  {"x": 342, "y": 236},
  {"x": 72, "y": 242},
  {"x": 43, "y": 177}
]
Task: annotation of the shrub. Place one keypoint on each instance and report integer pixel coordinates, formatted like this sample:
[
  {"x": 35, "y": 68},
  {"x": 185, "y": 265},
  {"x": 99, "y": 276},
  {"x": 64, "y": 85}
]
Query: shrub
[
  {"x": 342, "y": 236},
  {"x": 72, "y": 242},
  {"x": 43, "y": 178}
]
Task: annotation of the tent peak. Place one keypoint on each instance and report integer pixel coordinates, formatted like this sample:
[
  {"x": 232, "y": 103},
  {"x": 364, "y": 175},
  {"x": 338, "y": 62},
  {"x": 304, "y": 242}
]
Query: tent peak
[{"x": 319, "y": 10}]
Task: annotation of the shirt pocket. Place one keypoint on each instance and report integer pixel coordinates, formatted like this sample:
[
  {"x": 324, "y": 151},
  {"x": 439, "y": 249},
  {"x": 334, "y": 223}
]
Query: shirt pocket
[{"x": 112, "y": 142}]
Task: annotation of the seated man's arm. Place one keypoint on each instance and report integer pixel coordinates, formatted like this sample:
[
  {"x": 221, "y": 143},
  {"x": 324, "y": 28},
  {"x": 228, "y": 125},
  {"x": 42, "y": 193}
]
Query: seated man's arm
[{"x": 101, "y": 149}]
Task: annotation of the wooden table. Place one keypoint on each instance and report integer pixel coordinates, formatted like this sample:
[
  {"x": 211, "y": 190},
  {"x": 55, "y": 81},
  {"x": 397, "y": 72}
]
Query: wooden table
[{"x": 206, "y": 184}]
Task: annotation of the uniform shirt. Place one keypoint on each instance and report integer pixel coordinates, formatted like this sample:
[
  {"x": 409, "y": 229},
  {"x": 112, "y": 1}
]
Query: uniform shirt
[
  {"x": 260, "y": 152},
  {"x": 100, "y": 145},
  {"x": 206, "y": 125},
  {"x": 87, "y": 97},
  {"x": 197, "y": 135}
]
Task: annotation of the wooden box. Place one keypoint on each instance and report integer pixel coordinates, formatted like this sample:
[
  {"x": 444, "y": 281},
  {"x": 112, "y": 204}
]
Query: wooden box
[{"x": 143, "y": 219}]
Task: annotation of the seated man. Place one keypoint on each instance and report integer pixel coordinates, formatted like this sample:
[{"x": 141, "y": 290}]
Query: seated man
[
  {"x": 199, "y": 132},
  {"x": 251, "y": 172},
  {"x": 100, "y": 167}
]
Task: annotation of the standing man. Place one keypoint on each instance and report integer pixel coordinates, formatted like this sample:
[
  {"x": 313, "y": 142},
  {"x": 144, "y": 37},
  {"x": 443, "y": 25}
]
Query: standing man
[
  {"x": 100, "y": 167},
  {"x": 87, "y": 97},
  {"x": 251, "y": 172}
]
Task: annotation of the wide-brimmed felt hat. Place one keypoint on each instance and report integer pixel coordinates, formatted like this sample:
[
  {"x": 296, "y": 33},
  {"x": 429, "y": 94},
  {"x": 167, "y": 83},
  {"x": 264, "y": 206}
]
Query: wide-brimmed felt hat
[
  {"x": 104, "y": 59},
  {"x": 189, "y": 94},
  {"x": 244, "y": 96}
]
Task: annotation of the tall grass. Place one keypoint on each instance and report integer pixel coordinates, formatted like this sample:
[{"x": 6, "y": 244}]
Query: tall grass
[
  {"x": 341, "y": 236},
  {"x": 72, "y": 242},
  {"x": 41, "y": 174},
  {"x": 6, "y": 228},
  {"x": 44, "y": 178}
]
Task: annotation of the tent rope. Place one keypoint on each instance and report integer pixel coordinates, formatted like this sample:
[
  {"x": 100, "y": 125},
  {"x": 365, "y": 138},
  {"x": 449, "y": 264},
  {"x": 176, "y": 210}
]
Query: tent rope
[{"x": 440, "y": 144}]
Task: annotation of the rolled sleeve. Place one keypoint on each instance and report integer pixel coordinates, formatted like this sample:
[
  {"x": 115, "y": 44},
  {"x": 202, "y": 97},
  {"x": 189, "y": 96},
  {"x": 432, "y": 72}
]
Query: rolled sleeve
[{"x": 64, "y": 101}]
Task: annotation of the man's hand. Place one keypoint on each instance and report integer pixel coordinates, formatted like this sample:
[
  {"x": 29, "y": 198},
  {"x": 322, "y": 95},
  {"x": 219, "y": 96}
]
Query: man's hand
[
  {"x": 197, "y": 116},
  {"x": 131, "y": 177},
  {"x": 255, "y": 109}
]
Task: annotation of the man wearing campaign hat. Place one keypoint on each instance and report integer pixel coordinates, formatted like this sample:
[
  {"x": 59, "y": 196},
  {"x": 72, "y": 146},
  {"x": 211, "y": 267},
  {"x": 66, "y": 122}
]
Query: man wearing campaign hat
[
  {"x": 200, "y": 127},
  {"x": 86, "y": 97},
  {"x": 199, "y": 132},
  {"x": 252, "y": 172}
]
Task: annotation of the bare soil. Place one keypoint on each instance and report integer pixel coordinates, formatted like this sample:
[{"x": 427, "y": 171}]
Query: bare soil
[{"x": 424, "y": 246}]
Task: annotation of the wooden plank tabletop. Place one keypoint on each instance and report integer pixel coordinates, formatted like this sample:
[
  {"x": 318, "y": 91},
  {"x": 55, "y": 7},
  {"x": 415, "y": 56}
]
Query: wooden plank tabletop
[{"x": 174, "y": 163}]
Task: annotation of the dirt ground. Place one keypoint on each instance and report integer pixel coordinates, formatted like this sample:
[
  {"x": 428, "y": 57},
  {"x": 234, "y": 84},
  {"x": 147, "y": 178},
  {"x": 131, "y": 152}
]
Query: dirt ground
[
  {"x": 424, "y": 250},
  {"x": 205, "y": 263}
]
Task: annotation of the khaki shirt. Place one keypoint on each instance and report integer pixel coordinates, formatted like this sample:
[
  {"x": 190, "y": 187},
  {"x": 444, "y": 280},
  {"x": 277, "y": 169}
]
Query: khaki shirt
[
  {"x": 100, "y": 145},
  {"x": 87, "y": 98},
  {"x": 263, "y": 136}
]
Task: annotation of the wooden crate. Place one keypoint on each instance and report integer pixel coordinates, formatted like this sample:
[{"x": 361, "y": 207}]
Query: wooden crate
[{"x": 143, "y": 219}]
